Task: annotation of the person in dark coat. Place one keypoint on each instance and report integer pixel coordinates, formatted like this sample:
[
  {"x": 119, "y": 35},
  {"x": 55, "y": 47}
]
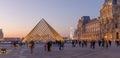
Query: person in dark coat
[{"x": 49, "y": 44}]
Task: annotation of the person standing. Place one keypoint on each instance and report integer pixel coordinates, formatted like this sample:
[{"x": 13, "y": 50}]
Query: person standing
[
  {"x": 110, "y": 42},
  {"x": 93, "y": 44},
  {"x": 79, "y": 42},
  {"x": 73, "y": 43},
  {"x": 49, "y": 44},
  {"x": 61, "y": 45}
]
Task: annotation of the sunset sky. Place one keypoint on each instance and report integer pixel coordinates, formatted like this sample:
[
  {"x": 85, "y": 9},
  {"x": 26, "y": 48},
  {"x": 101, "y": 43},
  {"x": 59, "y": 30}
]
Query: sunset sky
[{"x": 18, "y": 17}]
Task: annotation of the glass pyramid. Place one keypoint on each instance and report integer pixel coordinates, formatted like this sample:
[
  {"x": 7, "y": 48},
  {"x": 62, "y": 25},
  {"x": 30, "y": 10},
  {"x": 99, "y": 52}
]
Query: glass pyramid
[{"x": 43, "y": 32}]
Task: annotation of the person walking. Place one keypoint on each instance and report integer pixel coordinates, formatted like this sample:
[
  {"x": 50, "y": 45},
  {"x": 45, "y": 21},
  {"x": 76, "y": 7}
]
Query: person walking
[
  {"x": 31, "y": 46},
  {"x": 99, "y": 43},
  {"x": 45, "y": 47},
  {"x": 15, "y": 44}
]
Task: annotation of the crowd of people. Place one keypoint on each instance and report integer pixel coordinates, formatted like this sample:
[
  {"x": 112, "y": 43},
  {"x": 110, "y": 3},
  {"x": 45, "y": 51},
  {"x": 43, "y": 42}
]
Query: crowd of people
[
  {"x": 60, "y": 44},
  {"x": 94, "y": 43},
  {"x": 48, "y": 45}
]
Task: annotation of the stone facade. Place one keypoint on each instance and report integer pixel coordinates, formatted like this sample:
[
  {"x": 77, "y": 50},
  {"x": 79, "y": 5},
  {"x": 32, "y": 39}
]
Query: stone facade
[
  {"x": 90, "y": 30},
  {"x": 106, "y": 27},
  {"x": 110, "y": 20}
]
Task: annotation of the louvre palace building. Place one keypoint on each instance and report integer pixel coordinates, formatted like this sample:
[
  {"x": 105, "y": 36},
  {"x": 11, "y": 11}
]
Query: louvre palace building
[{"x": 106, "y": 27}]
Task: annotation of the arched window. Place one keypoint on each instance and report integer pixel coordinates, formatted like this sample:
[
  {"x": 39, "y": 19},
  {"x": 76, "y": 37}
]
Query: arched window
[
  {"x": 116, "y": 25},
  {"x": 117, "y": 35},
  {"x": 114, "y": 1}
]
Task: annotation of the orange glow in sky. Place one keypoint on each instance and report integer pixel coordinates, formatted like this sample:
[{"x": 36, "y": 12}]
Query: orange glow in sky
[{"x": 18, "y": 17}]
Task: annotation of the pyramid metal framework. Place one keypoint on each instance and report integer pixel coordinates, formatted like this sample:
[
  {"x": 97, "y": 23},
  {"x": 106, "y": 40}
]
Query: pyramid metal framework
[{"x": 43, "y": 32}]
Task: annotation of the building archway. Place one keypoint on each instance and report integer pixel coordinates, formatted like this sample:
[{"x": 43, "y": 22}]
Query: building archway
[{"x": 108, "y": 36}]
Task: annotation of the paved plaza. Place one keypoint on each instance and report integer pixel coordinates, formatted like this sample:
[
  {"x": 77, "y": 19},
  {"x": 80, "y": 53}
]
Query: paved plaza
[{"x": 68, "y": 52}]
